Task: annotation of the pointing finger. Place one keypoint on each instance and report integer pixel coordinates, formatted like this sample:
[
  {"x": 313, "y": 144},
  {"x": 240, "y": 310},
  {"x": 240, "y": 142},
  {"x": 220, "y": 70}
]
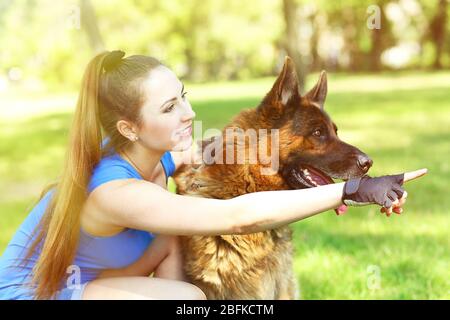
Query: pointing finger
[{"x": 408, "y": 176}]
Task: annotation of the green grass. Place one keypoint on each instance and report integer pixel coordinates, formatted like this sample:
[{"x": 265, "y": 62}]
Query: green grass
[{"x": 401, "y": 120}]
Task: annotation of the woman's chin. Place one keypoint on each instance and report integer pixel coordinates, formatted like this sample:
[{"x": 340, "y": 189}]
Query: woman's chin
[{"x": 183, "y": 144}]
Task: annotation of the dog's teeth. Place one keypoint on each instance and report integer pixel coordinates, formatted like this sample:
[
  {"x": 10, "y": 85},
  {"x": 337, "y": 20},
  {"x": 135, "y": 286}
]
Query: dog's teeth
[
  {"x": 308, "y": 176},
  {"x": 311, "y": 180}
]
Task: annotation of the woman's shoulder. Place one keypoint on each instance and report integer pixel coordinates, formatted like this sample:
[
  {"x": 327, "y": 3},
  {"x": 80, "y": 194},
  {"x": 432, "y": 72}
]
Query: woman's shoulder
[{"x": 111, "y": 167}]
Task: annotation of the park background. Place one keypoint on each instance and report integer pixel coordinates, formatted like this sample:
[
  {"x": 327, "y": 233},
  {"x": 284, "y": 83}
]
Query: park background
[{"x": 388, "y": 63}]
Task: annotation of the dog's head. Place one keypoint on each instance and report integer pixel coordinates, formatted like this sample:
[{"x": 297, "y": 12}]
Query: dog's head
[{"x": 311, "y": 152}]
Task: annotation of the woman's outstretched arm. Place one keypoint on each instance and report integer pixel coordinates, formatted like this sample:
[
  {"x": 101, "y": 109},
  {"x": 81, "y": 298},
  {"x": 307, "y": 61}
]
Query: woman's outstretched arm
[
  {"x": 270, "y": 209},
  {"x": 143, "y": 205}
]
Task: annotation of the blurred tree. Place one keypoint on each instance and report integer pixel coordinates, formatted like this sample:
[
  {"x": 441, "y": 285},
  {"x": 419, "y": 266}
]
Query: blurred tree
[
  {"x": 380, "y": 39},
  {"x": 348, "y": 20},
  {"x": 197, "y": 37},
  {"x": 437, "y": 31},
  {"x": 291, "y": 38},
  {"x": 89, "y": 23},
  {"x": 218, "y": 39}
]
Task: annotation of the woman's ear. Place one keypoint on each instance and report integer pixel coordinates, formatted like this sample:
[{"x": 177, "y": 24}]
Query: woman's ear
[{"x": 127, "y": 129}]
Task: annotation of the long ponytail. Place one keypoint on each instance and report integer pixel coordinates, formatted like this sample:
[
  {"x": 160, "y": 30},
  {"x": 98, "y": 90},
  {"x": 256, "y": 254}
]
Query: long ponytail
[{"x": 59, "y": 228}]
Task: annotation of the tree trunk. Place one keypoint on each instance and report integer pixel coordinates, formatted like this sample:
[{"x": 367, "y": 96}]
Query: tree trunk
[
  {"x": 89, "y": 23},
  {"x": 437, "y": 32},
  {"x": 290, "y": 9},
  {"x": 377, "y": 46}
]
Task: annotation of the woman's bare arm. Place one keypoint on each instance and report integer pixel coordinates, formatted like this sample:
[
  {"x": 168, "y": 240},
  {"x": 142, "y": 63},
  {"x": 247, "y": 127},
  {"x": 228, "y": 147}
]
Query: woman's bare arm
[
  {"x": 143, "y": 205},
  {"x": 271, "y": 209}
]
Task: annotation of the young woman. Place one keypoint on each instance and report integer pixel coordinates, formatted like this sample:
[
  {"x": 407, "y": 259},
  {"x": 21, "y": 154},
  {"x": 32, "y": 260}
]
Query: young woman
[{"x": 109, "y": 222}]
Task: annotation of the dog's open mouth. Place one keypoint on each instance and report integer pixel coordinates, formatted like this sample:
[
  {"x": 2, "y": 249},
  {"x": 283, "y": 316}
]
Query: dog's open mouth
[{"x": 310, "y": 177}]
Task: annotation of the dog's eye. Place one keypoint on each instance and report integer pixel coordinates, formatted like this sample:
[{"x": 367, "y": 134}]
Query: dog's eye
[{"x": 317, "y": 133}]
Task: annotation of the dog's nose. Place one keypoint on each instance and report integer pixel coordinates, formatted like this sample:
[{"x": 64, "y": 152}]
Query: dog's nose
[{"x": 364, "y": 162}]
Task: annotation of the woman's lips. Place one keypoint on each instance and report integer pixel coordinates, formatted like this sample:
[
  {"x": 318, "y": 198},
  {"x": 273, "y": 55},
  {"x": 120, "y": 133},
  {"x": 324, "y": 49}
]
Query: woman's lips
[{"x": 185, "y": 132}]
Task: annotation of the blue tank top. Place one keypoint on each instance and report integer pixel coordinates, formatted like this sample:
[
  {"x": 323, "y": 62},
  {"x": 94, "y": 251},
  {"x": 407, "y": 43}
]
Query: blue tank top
[{"x": 93, "y": 253}]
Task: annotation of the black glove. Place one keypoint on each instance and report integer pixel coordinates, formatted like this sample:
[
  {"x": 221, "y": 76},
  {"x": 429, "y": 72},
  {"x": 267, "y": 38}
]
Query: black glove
[{"x": 382, "y": 190}]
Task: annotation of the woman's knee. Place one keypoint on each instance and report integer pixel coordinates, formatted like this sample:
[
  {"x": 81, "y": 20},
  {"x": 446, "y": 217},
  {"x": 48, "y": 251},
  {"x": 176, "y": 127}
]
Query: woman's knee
[
  {"x": 142, "y": 288},
  {"x": 196, "y": 292},
  {"x": 185, "y": 291}
]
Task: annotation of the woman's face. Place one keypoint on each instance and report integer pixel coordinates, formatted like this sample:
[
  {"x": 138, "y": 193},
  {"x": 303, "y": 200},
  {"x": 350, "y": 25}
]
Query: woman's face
[{"x": 166, "y": 113}]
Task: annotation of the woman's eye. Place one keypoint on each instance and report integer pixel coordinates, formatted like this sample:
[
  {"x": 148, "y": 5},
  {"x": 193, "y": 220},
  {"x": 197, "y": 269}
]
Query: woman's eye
[
  {"x": 317, "y": 133},
  {"x": 170, "y": 108}
]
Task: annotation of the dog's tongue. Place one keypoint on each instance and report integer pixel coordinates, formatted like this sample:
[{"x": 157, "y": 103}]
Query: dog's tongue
[{"x": 341, "y": 209}]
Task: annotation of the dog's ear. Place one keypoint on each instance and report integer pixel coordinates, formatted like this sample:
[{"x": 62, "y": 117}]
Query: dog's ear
[
  {"x": 318, "y": 94},
  {"x": 285, "y": 87}
]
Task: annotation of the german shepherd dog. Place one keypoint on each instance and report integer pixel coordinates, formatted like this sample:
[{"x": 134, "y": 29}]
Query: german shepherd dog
[{"x": 259, "y": 265}]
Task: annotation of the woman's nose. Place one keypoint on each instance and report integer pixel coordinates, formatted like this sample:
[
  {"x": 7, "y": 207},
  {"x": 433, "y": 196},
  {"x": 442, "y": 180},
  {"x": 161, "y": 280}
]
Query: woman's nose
[{"x": 188, "y": 114}]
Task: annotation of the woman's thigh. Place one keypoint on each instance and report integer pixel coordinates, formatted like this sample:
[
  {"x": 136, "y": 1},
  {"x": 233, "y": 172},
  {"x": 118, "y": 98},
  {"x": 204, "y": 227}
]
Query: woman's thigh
[{"x": 141, "y": 288}]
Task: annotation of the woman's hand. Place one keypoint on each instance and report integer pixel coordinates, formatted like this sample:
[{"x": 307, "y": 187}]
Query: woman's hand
[{"x": 386, "y": 191}]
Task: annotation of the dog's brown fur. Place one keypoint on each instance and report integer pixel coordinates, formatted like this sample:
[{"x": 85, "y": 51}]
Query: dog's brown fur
[{"x": 259, "y": 265}]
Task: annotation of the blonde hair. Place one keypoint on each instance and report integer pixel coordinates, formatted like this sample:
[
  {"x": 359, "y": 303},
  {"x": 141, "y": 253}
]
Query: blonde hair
[{"x": 105, "y": 97}]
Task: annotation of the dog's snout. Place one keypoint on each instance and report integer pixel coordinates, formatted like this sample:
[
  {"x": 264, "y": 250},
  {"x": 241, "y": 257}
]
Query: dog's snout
[{"x": 364, "y": 162}]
